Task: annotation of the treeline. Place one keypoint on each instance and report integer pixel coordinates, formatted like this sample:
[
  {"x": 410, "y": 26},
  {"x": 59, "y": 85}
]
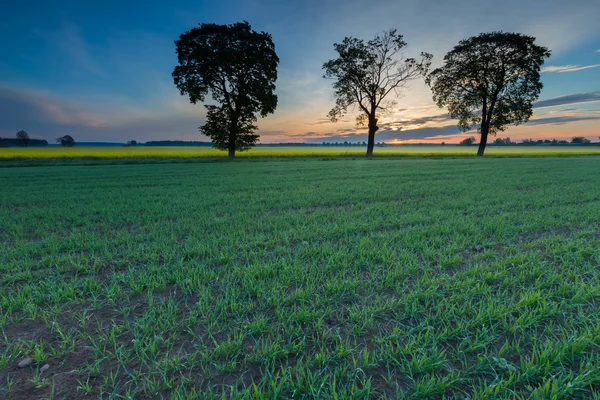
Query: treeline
[
  {"x": 176, "y": 143},
  {"x": 577, "y": 140},
  {"x": 9, "y": 142},
  {"x": 22, "y": 139},
  {"x": 182, "y": 143}
]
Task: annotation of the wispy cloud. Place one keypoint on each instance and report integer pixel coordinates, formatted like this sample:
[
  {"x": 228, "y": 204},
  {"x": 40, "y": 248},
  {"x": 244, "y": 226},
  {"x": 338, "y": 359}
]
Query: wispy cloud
[
  {"x": 562, "y": 120},
  {"x": 19, "y": 105},
  {"x": 69, "y": 40},
  {"x": 44, "y": 116},
  {"x": 568, "y": 68},
  {"x": 569, "y": 99},
  {"x": 321, "y": 121}
]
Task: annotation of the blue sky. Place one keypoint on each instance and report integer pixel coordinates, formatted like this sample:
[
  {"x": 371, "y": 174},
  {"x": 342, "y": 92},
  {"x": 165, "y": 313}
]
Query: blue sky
[{"x": 101, "y": 70}]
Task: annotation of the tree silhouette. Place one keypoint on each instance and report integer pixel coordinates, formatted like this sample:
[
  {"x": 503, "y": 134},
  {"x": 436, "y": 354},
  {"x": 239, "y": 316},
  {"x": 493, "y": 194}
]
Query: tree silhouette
[
  {"x": 238, "y": 67},
  {"x": 66, "y": 141},
  {"x": 217, "y": 127},
  {"x": 365, "y": 73},
  {"x": 468, "y": 141},
  {"x": 23, "y": 136},
  {"x": 580, "y": 140},
  {"x": 490, "y": 81}
]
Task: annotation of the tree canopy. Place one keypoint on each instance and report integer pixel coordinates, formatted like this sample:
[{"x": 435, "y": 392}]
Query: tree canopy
[
  {"x": 23, "y": 136},
  {"x": 238, "y": 67},
  {"x": 490, "y": 81},
  {"x": 468, "y": 141},
  {"x": 365, "y": 73},
  {"x": 66, "y": 141}
]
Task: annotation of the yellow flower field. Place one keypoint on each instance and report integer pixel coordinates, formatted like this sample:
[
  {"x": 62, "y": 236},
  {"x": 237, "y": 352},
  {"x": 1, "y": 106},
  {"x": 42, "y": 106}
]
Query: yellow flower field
[{"x": 186, "y": 152}]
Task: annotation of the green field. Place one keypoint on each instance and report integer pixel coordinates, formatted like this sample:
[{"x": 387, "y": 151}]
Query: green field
[
  {"x": 303, "y": 278},
  {"x": 204, "y": 152}
]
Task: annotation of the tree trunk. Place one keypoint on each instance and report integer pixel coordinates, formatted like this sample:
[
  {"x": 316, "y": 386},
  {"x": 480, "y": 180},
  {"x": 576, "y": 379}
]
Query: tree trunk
[
  {"x": 371, "y": 142},
  {"x": 484, "y": 137},
  {"x": 232, "y": 136}
]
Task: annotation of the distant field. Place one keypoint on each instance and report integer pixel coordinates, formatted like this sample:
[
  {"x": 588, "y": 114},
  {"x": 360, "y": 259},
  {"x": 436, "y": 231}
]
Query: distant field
[
  {"x": 189, "y": 152},
  {"x": 323, "y": 279}
]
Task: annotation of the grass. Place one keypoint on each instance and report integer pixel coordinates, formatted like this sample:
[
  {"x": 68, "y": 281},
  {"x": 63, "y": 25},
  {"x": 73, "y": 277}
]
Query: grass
[
  {"x": 204, "y": 152},
  {"x": 303, "y": 278}
]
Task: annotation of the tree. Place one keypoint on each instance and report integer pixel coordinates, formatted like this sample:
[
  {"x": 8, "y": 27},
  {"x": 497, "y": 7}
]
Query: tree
[
  {"x": 132, "y": 143},
  {"x": 580, "y": 140},
  {"x": 503, "y": 141},
  {"x": 218, "y": 125},
  {"x": 468, "y": 141},
  {"x": 238, "y": 67},
  {"x": 366, "y": 73},
  {"x": 490, "y": 81},
  {"x": 66, "y": 141},
  {"x": 23, "y": 136}
]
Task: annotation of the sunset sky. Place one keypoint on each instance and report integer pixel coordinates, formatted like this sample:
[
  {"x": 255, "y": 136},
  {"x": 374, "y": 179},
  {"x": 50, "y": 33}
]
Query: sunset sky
[{"x": 101, "y": 70}]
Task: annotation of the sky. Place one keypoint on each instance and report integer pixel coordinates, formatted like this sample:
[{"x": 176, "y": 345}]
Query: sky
[{"x": 101, "y": 70}]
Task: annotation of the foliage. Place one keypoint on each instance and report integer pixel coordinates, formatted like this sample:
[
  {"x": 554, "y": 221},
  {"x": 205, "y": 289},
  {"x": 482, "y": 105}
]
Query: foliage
[
  {"x": 132, "y": 143},
  {"x": 422, "y": 279},
  {"x": 66, "y": 141},
  {"x": 365, "y": 73},
  {"x": 490, "y": 81},
  {"x": 238, "y": 67},
  {"x": 23, "y": 136},
  {"x": 217, "y": 124},
  {"x": 503, "y": 141},
  {"x": 468, "y": 141},
  {"x": 580, "y": 140}
]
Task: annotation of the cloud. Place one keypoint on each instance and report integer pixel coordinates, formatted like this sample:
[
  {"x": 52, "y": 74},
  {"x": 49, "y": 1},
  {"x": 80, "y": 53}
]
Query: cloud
[
  {"x": 561, "y": 120},
  {"x": 360, "y": 135},
  {"x": 45, "y": 116},
  {"x": 569, "y": 99},
  {"x": 321, "y": 121},
  {"x": 22, "y": 106},
  {"x": 69, "y": 40},
  {"x": 568, "y": 68},
  {"x": 415, "y": 123}
]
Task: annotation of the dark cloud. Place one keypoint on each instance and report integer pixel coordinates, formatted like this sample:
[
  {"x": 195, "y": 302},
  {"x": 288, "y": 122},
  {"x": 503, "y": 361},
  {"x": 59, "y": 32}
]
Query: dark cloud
[
  {"x": 561, "y": 120},
  {"x": 358, "y": 135},
  {"x": 420, "y": 133},
  {"x": 322, "y": 121},
  {"x": 346, "y": 131},
  {"x": 569, "y": 99},
  {"x": 435, "y": 119}
]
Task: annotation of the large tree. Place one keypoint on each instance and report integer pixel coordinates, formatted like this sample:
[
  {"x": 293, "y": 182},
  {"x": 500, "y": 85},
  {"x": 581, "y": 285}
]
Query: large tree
[
  {"x": 490, "y": 81},
  {"x": 24, "y": 137},
  {"x": 365, "y": 73},
  {"x": 238, "y": 67}
]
